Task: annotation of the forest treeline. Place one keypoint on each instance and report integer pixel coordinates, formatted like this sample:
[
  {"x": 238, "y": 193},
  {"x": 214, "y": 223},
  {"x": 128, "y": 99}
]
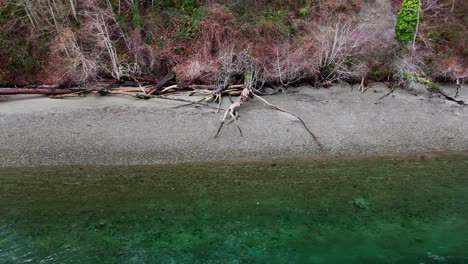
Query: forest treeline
[{"x": 217, "y": 42}]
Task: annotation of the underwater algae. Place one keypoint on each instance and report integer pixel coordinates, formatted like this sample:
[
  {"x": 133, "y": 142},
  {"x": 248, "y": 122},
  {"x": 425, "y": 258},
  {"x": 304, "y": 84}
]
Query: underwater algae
[{"x": 387, "y": 209}]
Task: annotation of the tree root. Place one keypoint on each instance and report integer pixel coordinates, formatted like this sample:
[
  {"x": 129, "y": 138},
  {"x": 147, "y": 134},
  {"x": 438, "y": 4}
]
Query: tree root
[
  {"x": 459, "y": 86},
  {"x": 232, "y": 113},
  {"x": 361, "y": 86},
  {"x": 387, "y": 94},
  {"x": 147, "y": 96},
  {"x": 460, "y": 102},
  {"x": 298, "y": 117}
]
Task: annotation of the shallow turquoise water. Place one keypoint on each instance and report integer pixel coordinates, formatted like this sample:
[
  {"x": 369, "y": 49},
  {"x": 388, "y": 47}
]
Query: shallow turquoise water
[{"x": 392, "y": 209}]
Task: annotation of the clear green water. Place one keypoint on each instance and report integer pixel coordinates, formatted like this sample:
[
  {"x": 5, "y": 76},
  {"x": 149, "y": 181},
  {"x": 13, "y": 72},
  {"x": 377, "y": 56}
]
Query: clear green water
[{"x": 393, "y": 209}]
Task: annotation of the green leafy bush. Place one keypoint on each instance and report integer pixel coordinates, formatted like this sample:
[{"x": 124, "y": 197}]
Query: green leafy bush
[
  {"x": 406, "y": 21},
  {"x": 414, "y": 77},
  {"x": 303, "y": 11}
]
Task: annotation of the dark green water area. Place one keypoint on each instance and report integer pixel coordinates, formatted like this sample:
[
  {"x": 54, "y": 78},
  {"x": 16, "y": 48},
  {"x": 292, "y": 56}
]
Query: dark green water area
[{"x": 388, "y": 209}]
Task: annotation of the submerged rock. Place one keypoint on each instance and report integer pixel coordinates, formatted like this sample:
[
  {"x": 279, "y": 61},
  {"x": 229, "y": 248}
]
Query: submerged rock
[
  {"x": 361, "y": 203},
  {"x": 435, "y": 257}
]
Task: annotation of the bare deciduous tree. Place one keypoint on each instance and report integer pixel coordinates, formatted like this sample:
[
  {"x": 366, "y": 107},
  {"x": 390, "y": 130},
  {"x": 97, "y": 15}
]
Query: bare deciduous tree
[
  {"x": 48, "y": 15},
  {"x": 231, "y": 64},
  {"x": 81, "y": 66},
  {"x": 286, "y": 70},
  {"x": 338, "y": 50}
]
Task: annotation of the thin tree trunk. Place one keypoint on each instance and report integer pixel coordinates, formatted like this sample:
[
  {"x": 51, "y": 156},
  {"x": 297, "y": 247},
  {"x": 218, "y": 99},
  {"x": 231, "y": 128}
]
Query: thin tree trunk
[
  {"x": 72, "y": 4},
  {"x": 417, "y": 26}
]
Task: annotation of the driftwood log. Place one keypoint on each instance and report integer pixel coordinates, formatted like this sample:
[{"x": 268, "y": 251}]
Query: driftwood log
[
  {"x": 108, "y": 89},
  {"x": 59, "y": 91},
  {"x": 47, "y": 91}
]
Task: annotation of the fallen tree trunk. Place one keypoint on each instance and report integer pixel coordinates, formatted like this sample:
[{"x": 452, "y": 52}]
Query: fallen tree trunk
[{"x": 56, "y": 91}]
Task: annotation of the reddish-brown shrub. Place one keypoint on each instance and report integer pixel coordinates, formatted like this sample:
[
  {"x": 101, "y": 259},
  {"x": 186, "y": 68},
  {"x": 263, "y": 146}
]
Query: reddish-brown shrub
[
  {"x": 443, "y": 38},
  {"x": 450, "y": 68},
  {"x": 217, "y": 30}
]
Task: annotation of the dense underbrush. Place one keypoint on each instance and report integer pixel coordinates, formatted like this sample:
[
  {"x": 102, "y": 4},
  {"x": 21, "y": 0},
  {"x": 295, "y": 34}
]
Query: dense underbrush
[{"x": 219, "y": 42}]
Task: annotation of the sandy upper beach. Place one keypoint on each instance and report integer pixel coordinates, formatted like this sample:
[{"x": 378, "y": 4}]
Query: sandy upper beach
[{"x": 37, "y": 130}]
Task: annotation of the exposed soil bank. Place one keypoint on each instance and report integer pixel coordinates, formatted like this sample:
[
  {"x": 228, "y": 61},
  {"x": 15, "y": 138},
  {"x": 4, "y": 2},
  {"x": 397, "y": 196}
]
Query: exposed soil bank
[{"x": 36, "y": 130}]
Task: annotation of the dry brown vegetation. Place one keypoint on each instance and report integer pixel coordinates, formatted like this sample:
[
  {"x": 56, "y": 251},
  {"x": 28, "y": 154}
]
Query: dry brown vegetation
[{"x": 218, "y": 42}]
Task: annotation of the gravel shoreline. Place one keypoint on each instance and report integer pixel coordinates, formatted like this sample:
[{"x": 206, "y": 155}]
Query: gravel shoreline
[{"x": 36, "y": 130}]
